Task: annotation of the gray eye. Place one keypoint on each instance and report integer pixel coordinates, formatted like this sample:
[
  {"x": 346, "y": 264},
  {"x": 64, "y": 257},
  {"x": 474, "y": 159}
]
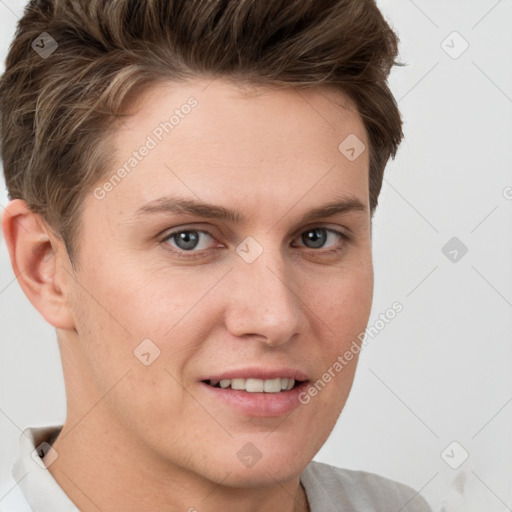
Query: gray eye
[
  {"x": 186, "y": 240},
  {"x": 315, "y": 238}
]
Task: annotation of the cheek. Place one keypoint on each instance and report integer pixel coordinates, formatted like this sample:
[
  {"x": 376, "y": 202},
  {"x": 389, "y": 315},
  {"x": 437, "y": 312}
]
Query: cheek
[
  {"x": 344, "y": 303},
  {"x": 120, "y": 312},
  {"x": 112, "y": 322},
  {"x": 143, "y": 304},
  {"x": 344, "y": 308}
]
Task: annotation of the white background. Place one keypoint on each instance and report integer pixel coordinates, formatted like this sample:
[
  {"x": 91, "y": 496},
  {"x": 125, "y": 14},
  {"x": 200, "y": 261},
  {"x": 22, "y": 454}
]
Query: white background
[{"x": 440, "y": 371}]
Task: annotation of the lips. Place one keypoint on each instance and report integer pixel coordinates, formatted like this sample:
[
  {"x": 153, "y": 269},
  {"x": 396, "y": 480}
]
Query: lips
[
  {"x": 257, "y": 391},
  {"x": 253, "y": 403}
]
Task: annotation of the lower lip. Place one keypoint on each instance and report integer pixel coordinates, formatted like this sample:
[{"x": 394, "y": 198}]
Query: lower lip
[{"x": 259, "y": 404}]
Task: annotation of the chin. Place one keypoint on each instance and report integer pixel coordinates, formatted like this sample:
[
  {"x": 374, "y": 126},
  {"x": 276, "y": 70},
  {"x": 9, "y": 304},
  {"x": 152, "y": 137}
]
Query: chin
[
  {"x": 262, "y": 463},
  {"x": 262, "y": 474}
]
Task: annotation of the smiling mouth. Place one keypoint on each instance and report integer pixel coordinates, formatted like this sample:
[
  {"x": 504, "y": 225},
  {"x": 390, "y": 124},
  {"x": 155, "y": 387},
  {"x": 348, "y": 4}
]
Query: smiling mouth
[{"x": 276, "y": 385}]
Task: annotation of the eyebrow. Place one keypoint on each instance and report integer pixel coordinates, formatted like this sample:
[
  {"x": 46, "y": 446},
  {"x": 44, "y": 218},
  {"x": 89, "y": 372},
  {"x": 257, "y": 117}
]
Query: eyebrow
[{"x": 180, "y": 205}]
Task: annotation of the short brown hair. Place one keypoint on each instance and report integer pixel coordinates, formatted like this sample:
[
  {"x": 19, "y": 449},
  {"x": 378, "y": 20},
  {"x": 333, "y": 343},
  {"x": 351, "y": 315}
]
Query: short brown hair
[{"x": 55, "y": 112}]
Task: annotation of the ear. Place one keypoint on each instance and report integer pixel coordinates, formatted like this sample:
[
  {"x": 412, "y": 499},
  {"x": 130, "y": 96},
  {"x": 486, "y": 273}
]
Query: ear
[{"x": 37, "y": 260}]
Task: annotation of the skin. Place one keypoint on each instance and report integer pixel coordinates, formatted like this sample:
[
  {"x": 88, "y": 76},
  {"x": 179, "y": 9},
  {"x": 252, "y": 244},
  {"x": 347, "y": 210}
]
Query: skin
[{"x": 272, "y": 156}]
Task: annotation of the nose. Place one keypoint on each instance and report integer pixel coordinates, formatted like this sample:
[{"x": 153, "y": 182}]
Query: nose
[{"x": 264, "y": 302}]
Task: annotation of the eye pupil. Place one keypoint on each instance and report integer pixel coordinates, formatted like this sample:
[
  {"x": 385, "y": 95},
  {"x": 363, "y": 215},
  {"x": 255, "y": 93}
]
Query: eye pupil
[
  {"x": 186, "y": 240},
  {"x": 315, "y": 236}
]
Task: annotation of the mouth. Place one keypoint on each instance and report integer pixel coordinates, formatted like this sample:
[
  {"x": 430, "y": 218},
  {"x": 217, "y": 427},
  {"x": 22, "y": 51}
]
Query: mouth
[
  {"x": 270, "y": 397},
  {"x": 258, "y": 391},
  {"x": 250, "y": 385}
]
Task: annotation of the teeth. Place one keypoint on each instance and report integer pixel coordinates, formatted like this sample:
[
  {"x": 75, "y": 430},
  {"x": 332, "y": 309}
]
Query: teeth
[
  {"x": 238, "y": 384},
  {"x": 256, "y": 385},
  {"x": 272, "y": 385}
]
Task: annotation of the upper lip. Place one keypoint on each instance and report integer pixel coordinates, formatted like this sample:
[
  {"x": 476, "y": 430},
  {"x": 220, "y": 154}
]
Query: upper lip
[{"x": 259, "y": 373}]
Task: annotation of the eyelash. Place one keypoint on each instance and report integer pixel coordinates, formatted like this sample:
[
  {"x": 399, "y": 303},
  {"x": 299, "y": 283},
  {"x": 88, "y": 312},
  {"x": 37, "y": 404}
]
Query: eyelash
[{"x": 193, "y": 254}]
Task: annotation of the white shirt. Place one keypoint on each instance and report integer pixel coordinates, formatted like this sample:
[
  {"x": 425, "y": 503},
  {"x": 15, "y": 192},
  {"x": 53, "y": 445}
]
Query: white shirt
[{"x": 329, "y": 489}]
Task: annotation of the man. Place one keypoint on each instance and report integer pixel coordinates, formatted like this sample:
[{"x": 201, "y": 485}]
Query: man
[{"x": 192, "y": 185}]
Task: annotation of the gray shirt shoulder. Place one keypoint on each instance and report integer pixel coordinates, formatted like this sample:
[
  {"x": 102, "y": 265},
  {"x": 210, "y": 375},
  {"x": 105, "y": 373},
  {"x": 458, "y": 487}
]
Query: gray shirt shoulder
[{"x": 332, "y": 489}]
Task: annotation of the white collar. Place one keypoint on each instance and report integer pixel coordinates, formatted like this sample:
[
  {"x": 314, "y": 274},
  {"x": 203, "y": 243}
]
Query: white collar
[{"x": 40, "y": 489}]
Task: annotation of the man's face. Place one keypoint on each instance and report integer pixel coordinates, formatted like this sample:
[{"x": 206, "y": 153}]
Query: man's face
[{"x": 271, "y": 294}]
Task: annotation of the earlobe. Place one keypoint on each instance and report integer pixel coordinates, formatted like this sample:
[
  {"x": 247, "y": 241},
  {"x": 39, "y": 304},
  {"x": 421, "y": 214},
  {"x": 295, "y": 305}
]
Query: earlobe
[{"x": 35, "y": 258}]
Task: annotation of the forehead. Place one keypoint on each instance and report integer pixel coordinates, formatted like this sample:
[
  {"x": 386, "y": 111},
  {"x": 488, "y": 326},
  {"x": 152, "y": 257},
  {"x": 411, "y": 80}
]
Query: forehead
[
  {"x": 221, "y": 106},
  {"x": 216, "y": 141}
]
